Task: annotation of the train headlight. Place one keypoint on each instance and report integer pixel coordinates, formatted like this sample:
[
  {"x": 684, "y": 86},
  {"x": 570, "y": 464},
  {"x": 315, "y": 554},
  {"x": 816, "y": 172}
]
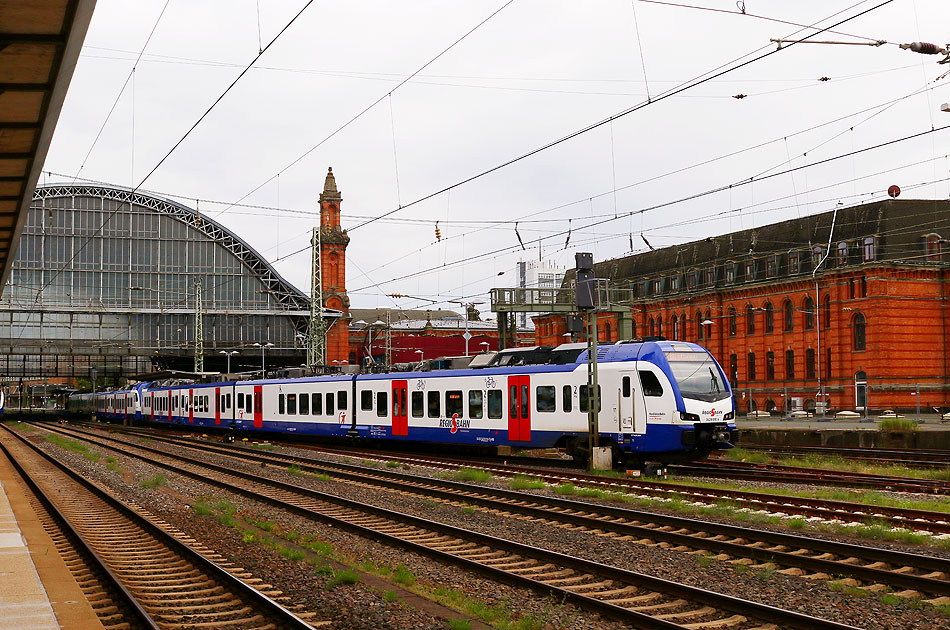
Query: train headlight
[
  {"x": 688, "y": 417},
  {"x": 729, "y": 416}
]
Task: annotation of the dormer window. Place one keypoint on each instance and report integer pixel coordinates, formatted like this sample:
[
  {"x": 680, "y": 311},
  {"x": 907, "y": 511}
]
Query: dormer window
[
  {"x": 842, "y": 255},
  {"x": 676, "y": 282},
  {"x": 793, "y": 265},
  {"x": 730, "y": 272},
  {"x": 749, "y": 270},
  {"x": 692, "y": 279},
  {"x": 771, "y": 266},
  {"x": 657, "y": 286},
  {"x": 933, "y": 246},
  {"x": 710, "y": 276},
  {"x": 817, "y": 253},
  {"x": 870, "y": 249}
]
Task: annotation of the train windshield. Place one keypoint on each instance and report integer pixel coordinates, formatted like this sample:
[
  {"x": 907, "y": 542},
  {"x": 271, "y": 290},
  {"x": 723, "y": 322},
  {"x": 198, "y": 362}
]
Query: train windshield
[{"x": 697, "y": 376}]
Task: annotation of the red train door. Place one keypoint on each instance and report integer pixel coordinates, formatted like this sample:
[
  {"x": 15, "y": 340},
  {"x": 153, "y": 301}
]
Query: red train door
[
  {"x": 217, "y": 405},
  {"x": 258, "y": 406},
  {"x": 400, "y": 411},
  {"x": 191, "y": 406},
  {"x": 169, "y": 405},
  {"x": 519, "y": 408}
]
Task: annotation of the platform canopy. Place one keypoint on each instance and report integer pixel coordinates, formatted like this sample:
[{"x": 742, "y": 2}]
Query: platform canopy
[{"x": 40, "y": 42}]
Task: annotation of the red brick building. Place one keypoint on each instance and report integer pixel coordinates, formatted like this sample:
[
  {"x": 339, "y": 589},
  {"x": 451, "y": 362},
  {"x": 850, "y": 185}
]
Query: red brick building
[
  {"x": 333, "y": 242},
  {"x": 877, "y": 337}
]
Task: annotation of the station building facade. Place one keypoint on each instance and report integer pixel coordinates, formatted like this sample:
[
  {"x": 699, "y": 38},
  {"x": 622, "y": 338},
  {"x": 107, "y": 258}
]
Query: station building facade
[
  {"x": 865, "y": 324},
  {"x": 105, "y": 279}
]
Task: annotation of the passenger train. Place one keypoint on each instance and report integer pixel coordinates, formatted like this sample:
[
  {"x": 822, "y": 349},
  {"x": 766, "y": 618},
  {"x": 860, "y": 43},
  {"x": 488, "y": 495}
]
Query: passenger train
[{"x": 660, "y": 401}]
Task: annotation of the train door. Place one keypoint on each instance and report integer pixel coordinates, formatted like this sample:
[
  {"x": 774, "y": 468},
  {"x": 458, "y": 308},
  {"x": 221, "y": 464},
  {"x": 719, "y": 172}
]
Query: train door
[
  {"x": 258, "y": 406},
  {"x": 632, "y": 416},
  {"x": 400, "y": 408},
  {"x": 169, "y": 401},
  {"x": 217, "y": 405},
  {"x": 519, "y": 408},
  {"x": 191, "y": 406}
]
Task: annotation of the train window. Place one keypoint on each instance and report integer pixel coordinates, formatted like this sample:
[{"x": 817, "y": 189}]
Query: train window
[
  {"x": 418, "y": 404},
  {"x": 650, "y": 384},
  {"x": 584, "y": 402},
  {"x": 247, "y": 404},
  {"x": 567, "y": 401},
  {"x": 625, "y": 387},
  {"x": 291, "y": 404},
  {"x": 475, "y": 404},
  {"x": 341, "y": 400},
  {"x": 494, "y": 403},
  {"x": 304, "y": 405},
  {"x": 453, "y": 403},
  {"x": 434, "y": 405},
  {"x": 318, "y": 404},
  {"x": 525, "y": 407},
  {"x": 227, "y": 402},
  {"x": 240, "y": 400},
  {"x": 402, "y": 404},
  {"x": 330, "y": 406},
  {"x": 382, "y": 402},
  {"x": 513, "y": 401},
  {"x": 546, "y": 398},
  {"x": 366, "y": 400}
]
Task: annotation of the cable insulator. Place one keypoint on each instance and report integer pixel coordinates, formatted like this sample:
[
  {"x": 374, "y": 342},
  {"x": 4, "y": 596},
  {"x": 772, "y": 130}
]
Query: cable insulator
[{"x": 924, "y": 48}]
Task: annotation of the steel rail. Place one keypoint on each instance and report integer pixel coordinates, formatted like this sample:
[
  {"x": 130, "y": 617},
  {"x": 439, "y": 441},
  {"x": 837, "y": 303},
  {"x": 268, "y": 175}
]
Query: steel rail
[
  {"x": 935, "y": 522},
  {"x": 513, "y": 501},
  {"x": 757, "y": 610},
  {"x": 282, "y": 615},
  {"x": 78, "y": 540}
]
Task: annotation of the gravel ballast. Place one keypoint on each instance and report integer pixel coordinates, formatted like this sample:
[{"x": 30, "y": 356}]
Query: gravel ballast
[{"x": 363, "y": 605}]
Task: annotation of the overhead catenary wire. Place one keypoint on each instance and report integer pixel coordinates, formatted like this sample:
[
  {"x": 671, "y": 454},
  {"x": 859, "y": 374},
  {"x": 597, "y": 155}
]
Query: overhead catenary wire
[
  {"x": 374, "y": 103},
  {"x": 710, "y": 75}
]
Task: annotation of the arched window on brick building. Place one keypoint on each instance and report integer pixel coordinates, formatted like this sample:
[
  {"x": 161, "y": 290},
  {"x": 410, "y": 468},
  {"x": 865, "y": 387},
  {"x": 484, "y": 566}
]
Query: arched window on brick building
[
  {"x": 809, "y": 312},
  {"x": 733, "y": 326},
  {"x": 699, "y": 325},
  {"x": 769, "y": 318},
  {"x": 860, "y": 332},
  {"x": 652, "y": 327},
  {"x": 788, "y": 325},
  {"x": 749, "y": 320},
  {"x": 826, "y": 311}
]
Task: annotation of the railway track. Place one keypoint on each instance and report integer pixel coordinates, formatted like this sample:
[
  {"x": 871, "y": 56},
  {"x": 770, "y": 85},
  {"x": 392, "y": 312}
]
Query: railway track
[
  {"x": 827, "y": 509},
  {"x": 790, "y": 474},
  {"x": 915, "y": 574},
  {"x": 640, "y": 600},
  {"x": 141, "y": 575},
  {"x": 915, "y": 458}
]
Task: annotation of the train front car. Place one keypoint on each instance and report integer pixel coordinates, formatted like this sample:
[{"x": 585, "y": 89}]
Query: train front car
[{"x": 692, "y": 413}]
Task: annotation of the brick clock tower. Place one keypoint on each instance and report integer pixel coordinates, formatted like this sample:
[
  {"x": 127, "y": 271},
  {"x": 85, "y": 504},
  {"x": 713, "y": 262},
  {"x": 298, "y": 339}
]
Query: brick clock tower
[{"x": 334, "y": 240}]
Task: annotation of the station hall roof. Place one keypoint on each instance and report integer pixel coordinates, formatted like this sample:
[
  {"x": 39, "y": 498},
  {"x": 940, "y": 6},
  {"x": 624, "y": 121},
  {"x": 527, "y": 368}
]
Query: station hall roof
[{"x": 39, "y": 46}]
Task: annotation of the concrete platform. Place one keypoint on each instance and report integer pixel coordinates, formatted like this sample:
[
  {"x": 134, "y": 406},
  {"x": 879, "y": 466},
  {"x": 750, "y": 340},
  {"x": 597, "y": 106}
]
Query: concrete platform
[
  {"x": 932, "y": 432},
  {"x": 37, "y": 591}
]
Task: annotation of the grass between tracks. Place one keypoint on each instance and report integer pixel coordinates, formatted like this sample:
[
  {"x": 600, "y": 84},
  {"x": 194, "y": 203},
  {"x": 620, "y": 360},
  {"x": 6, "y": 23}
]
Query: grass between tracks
[
  {"x": 837, "y": 462},
  {"x": 326, "y": 561}
]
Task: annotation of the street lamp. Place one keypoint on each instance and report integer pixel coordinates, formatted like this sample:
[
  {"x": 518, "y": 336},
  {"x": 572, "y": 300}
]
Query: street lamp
[
  {"x": 263, "y": 346},
  {"x": 228, "y": 354}
]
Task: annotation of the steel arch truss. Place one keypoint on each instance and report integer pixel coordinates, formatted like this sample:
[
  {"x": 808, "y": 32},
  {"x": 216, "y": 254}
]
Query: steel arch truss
[{"x": 284, "y": 293}]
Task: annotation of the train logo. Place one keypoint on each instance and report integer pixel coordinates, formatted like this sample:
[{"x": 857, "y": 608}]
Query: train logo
[
  {"x": 454, "y": 423},
  {"x": 342, "y": 417}
]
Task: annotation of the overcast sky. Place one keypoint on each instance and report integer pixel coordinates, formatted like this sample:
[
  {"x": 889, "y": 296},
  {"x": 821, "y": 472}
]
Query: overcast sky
[{"x": 536, "y": 71}]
